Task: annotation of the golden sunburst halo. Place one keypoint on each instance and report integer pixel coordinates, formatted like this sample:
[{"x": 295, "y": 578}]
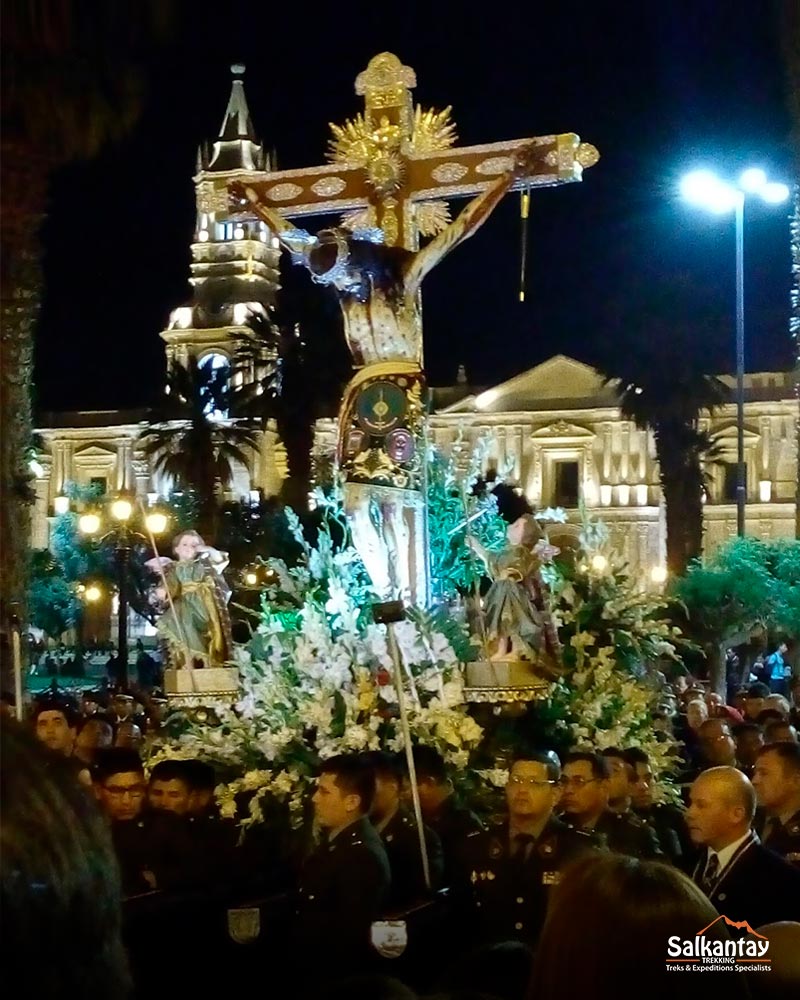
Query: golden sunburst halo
[
  {"x": 432, "y": 217},
  {"x": 356, "y": 143}
]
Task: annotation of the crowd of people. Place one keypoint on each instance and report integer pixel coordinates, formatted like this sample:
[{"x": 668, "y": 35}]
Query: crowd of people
[{"x": 570, "y": 887}]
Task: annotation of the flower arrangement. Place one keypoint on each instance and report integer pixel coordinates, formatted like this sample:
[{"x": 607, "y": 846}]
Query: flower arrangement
[
  {"x": 317, "y": 680},
  {"x": 317, "y": 677}
]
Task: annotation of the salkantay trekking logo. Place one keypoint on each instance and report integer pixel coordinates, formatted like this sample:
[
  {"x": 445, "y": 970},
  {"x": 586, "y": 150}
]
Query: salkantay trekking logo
[{"x": 704, "y": 954}]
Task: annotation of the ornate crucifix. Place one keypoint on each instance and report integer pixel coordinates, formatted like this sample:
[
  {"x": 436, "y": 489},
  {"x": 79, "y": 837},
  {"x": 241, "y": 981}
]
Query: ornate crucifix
[{"x": 393, "y": 169}]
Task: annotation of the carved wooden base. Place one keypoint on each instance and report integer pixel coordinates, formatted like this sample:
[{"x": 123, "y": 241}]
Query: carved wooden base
[
  {"x": 190, "y": 688},
  {"x": 504, "y": 681}
]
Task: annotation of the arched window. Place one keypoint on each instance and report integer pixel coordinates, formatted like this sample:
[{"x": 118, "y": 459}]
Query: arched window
[{"x": 219, "y": 366}]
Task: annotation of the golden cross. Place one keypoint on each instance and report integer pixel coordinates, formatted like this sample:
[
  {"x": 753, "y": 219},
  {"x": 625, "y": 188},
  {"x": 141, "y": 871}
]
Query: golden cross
[{"x": 395, "y": 166}]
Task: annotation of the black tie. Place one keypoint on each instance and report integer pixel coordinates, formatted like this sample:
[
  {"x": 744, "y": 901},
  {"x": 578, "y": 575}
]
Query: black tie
[
  {"x": 522, "y": 842},
  {"x": 710, "y": 873}
]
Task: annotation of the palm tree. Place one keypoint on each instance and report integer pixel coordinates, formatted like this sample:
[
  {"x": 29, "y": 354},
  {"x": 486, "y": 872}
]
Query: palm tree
[
  {"x": 663, "y": 388},
  {"x": 302, "y": 383},
  {"x": 71, "y": 80},
  {"x": 194, "y": 442}
]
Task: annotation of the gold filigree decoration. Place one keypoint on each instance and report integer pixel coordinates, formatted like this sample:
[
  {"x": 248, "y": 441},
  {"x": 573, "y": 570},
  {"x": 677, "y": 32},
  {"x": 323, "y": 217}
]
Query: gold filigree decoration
[
  {"x": 360, "y": 218},
  {"x": 449, "y": 173},
  {"x": 379, "y": 151},
  {"x": 432, "y": 217},
  {"x": 494, "y": 165},
  {"x": 284, "y": 192},
  {"x": 587, "y": 155},
  {"x": 328, "y": 187}
]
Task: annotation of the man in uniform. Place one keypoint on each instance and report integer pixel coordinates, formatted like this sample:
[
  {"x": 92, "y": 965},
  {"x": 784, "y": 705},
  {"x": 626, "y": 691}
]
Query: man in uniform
[
  {"x": 504, "y": 888},
  {"x": 397, "y": 828},
  {"x": 664, "y": 817},
  {"x": 441, "y": 811},
  {"x": 585, "y": 784},
  {"x": 344, "y": 882},
  {"x": 777, "y": 783}
]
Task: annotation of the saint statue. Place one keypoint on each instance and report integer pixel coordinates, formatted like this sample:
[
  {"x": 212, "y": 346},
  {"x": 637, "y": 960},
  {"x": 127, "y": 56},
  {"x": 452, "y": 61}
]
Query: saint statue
[
  {"x": 195, "y": 628},
  {"x": 381, "y": 439},
  {"x": 519, "y": 625}
]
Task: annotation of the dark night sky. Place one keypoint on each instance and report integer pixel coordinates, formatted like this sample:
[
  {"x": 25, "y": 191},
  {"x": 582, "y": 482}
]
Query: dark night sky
[{"x": 657, "y": 89}]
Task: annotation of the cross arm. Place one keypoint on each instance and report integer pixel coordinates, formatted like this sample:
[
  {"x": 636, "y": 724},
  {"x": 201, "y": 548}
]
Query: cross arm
[
  {"x": 333, "y": 187},
  {"x": 468, "y": 170},
  {"x": 470, "y": 219}
]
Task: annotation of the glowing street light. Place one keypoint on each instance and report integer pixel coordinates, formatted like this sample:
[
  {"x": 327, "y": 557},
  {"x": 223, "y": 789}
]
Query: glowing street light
[
  {"x": 658, "y": 574},
  {"x": 121, "y": 511},
  {"x": 92, "y": 594},
  {"x": 704, "y": 189}
]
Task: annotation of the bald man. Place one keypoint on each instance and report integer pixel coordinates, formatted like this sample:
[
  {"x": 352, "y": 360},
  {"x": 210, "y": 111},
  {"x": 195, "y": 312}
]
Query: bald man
[{"x": 742, "y": 879}]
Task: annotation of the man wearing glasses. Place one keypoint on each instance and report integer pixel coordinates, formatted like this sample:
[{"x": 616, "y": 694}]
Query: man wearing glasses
[
  {"x": 512, "y": 866},
  {"x": 587, "y": 785}
]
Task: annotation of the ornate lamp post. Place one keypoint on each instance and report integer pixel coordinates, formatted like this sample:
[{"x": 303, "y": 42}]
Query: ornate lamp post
[{"x": 123, "y": 536}]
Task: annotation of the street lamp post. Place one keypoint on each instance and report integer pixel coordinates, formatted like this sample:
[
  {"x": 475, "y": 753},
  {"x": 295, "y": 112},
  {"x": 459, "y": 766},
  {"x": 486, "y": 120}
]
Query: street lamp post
[
  {"x": 123, "y": 537},
  {"x": 703, "y": 188}
]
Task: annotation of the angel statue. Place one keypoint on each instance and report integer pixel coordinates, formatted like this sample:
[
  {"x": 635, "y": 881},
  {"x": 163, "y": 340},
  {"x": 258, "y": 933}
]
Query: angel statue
[
  {"x": 195, "y": 629},
  {"x": 519, "y": 624},
  {"x": 381, "y": 439}
]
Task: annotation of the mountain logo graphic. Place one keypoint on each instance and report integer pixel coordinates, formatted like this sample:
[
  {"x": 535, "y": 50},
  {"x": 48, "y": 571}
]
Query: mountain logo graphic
[
  {"x": 736, "y": 925},
  {"x": 743, "y": 948}
]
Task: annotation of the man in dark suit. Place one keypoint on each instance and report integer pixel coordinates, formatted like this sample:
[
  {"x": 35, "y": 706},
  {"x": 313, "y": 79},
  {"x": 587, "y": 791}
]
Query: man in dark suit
[
  {"x": 345, "y": 880},
  {"x": 743, "y": 879}
]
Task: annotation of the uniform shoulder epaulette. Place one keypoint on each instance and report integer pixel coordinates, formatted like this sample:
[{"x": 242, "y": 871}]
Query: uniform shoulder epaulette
[{"x": 588, "y": 834}]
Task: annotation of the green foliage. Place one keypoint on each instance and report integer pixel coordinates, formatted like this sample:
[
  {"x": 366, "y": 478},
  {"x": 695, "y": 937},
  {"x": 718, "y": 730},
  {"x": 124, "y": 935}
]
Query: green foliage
[
  {"x": 262, "y": 530},
  {"x": 53, "y": 603},
  {"x": 745, "y": 585},
  {"x": 456, "y": 507}
]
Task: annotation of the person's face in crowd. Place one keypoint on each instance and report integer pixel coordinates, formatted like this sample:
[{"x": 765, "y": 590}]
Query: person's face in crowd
[
  {"x": 334, "y": 807},
  {"x": 89, "y": 706},
  {"x": 739, "y": 702},
  {"x": 642, "y": 788},
  {"x": 781, "y": 732},
  {"x": 753, "y": 706},
  {"x": 712, "y": 818},
  {"x": 583, "y": 795},
  {"x": 123, "y": 707},
  {"x": 54, "y": 731},
  {"x": 187, "y": 546},
  {"x": 169, "y": 796},
  {"x": 122, "y": 795},
  {"x": 387, "y": 796},
  {"x": 778, "y": 704},
  {"x": 680, "y": 684},
  {"x": 530, "y": 793},
  {"x": 619, "y": 784},
  {"x": 716, "y": 742},
  {"x": 696, "y": 714},
  {"x": 748, "y": 744},
  {"x": 94, "y": 735},
  {"x": 129, "y": 735},
  {"x": 783, "y": 649},
  {"x": 775, "y": 785},
  {"x": 713, "y": 703}
]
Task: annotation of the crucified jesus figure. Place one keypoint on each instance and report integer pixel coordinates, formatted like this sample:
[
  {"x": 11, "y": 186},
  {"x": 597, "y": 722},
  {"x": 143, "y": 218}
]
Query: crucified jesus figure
[{"x": 380, "y": 450}]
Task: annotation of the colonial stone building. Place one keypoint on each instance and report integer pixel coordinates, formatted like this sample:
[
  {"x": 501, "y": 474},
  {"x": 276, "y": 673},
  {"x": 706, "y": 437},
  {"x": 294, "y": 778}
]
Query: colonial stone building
[{"x": 557, "y": 431}]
